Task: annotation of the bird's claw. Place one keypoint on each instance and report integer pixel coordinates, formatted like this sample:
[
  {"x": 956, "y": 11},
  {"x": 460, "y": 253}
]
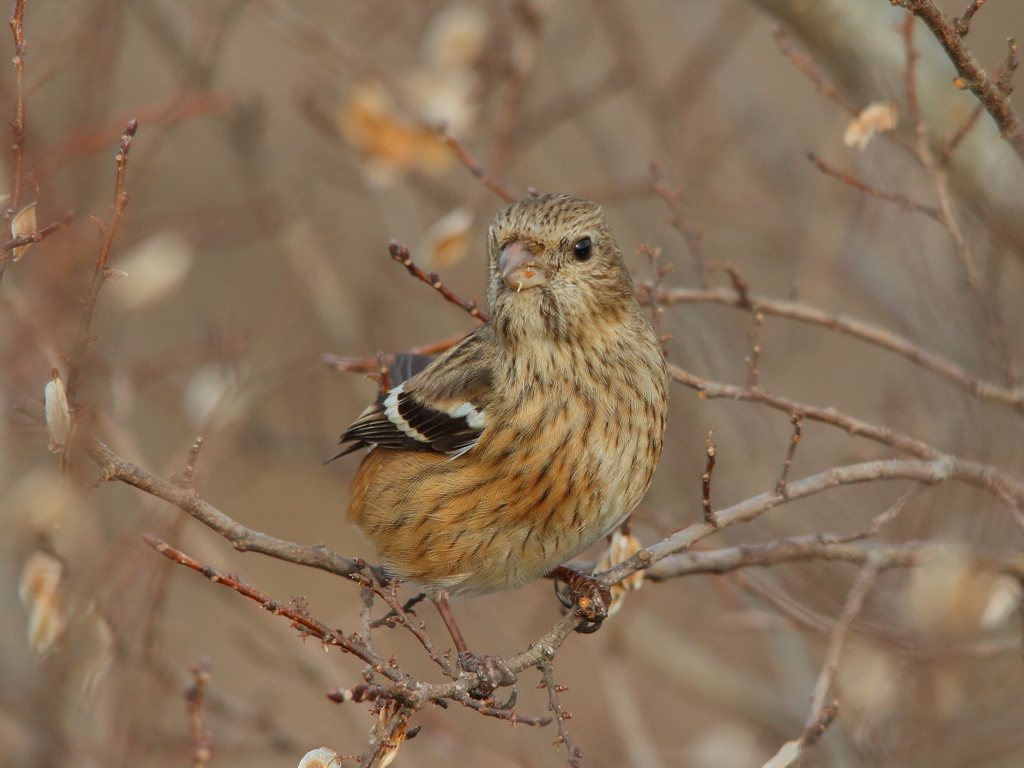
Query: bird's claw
[
  {"x": 589, "y": 596},
  {"x": 492, "y": 672}
]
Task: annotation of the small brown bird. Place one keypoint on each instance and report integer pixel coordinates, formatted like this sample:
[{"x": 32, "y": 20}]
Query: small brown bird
[{"x": 531, "y": 438}]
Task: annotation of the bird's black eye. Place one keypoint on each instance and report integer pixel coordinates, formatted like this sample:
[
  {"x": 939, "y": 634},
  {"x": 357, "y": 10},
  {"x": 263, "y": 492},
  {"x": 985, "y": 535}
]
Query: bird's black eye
[{"x": 582, "y": 249}]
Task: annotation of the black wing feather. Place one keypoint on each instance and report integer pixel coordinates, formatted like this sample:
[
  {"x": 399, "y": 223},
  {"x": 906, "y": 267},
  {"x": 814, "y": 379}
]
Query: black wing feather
[{"x": 436, "y": 411}]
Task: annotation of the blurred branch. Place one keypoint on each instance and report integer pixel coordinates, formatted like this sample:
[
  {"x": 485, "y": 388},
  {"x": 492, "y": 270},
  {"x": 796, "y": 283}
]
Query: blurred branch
[
  {"x": 901, "y": 200},
  {"x": 194, "y": 695},
  {"x": 1006, "y": 487},
  {"x": 678, "y": 220},
  {"x": 18, "y": 124},
  {"x": 829, "y": 548},
  {"x": 100, "y": 273},
  {"x": 370, "y": 365},
  {"x": 821, "y": 713},
  {"x": 807, "y": 65},
  {"x": 167, "y": 112},
  {"x": 849, "y": 326},
  {"x": 7, "y": 248}
]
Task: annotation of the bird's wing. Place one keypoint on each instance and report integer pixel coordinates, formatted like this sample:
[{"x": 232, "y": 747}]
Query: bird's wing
[
  {"x": 442, "y": 408},
  {"x": 407, "y": 365}
]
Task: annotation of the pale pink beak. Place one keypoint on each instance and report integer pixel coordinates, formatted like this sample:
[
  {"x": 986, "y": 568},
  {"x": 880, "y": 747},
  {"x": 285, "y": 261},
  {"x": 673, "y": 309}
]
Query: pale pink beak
[{"x": 520, "y": 268}]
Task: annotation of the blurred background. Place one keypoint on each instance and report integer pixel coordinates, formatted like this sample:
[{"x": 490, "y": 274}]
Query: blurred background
[{"x": 280, "y": 146}]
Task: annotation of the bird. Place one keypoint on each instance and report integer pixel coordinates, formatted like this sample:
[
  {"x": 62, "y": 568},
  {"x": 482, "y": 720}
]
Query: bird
[{"x": 531, "y": 438}]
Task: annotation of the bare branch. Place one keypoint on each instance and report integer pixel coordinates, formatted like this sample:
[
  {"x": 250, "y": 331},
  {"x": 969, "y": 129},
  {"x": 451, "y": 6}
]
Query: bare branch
[
  {"x": 401, "y": 254},
  {"x": 828, "y": 548},
  {"x": 857, "y": 329},
  {"x": 243, "y": 539},
  {"x": 299, "y": 616},
  {"x": 972, "y": 76}
]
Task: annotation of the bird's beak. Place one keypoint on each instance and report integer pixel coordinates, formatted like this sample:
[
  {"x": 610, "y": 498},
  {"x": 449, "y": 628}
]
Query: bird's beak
[{"x": 520, "y": 268}]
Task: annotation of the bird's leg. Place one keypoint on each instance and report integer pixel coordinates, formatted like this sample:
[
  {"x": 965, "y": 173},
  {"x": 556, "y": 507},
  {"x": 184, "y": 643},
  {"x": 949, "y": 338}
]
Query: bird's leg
[
  {"x": 590, "y": 596},
  {"x": 492, "y": 670}
]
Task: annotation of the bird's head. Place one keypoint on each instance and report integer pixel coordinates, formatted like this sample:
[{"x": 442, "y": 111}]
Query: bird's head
[{"x": 555, "y": 269}]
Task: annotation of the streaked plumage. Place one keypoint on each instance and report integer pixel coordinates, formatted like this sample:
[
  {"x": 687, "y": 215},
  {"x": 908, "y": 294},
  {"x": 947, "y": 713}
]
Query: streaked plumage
[{"x": 532, "y": 437}]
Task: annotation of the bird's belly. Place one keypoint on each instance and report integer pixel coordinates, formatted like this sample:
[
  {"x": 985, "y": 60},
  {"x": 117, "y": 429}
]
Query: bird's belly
[{"x": 463, "y": 527}]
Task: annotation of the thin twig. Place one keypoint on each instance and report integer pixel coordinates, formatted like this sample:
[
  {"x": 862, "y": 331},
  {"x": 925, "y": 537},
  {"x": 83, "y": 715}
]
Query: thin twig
[
  {"x": 384, "y": 373},
  {"x": 818, "y": 718},
  {"x": 705, "y": 482},
  {"x": 901, "y": 200},
  {"x": 806, "y": 64},
  {"x": 100, "y": 274},
  {"x": 7, "y": 248},
  {"x": 1004, "y": 77},
  {"x": 493, "y": 184},
  {"x": 753, "y": 359},
  {"x": 890, "y": 514},
  {"x": 202, "y": 739},
  {"x": 798, "y": 423},
  {"x": 555, "y": 707},
  {"x": 654, "y": 287},
  {"x": 963, "y": 24},
  {"x": 401, "y": 254},
  {"x": 397, "y": 615},
  {"x": 299, "y": 616},
  {"x": 947, "y": 146},
  {"x": 185, "y": 478},
  {"x": 677, "y": 219}
]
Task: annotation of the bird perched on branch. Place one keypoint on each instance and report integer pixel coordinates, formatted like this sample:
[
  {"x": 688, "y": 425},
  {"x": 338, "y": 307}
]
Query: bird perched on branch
[{"x": 531, "y": 438}]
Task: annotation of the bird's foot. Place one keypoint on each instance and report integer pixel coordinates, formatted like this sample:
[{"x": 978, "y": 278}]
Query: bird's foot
[
  {"x": 493, "y": 673},
  {"x": 589, "y": 597}
]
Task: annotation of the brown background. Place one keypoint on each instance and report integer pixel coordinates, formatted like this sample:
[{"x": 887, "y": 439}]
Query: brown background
[{"x": 288, "y": 236}]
